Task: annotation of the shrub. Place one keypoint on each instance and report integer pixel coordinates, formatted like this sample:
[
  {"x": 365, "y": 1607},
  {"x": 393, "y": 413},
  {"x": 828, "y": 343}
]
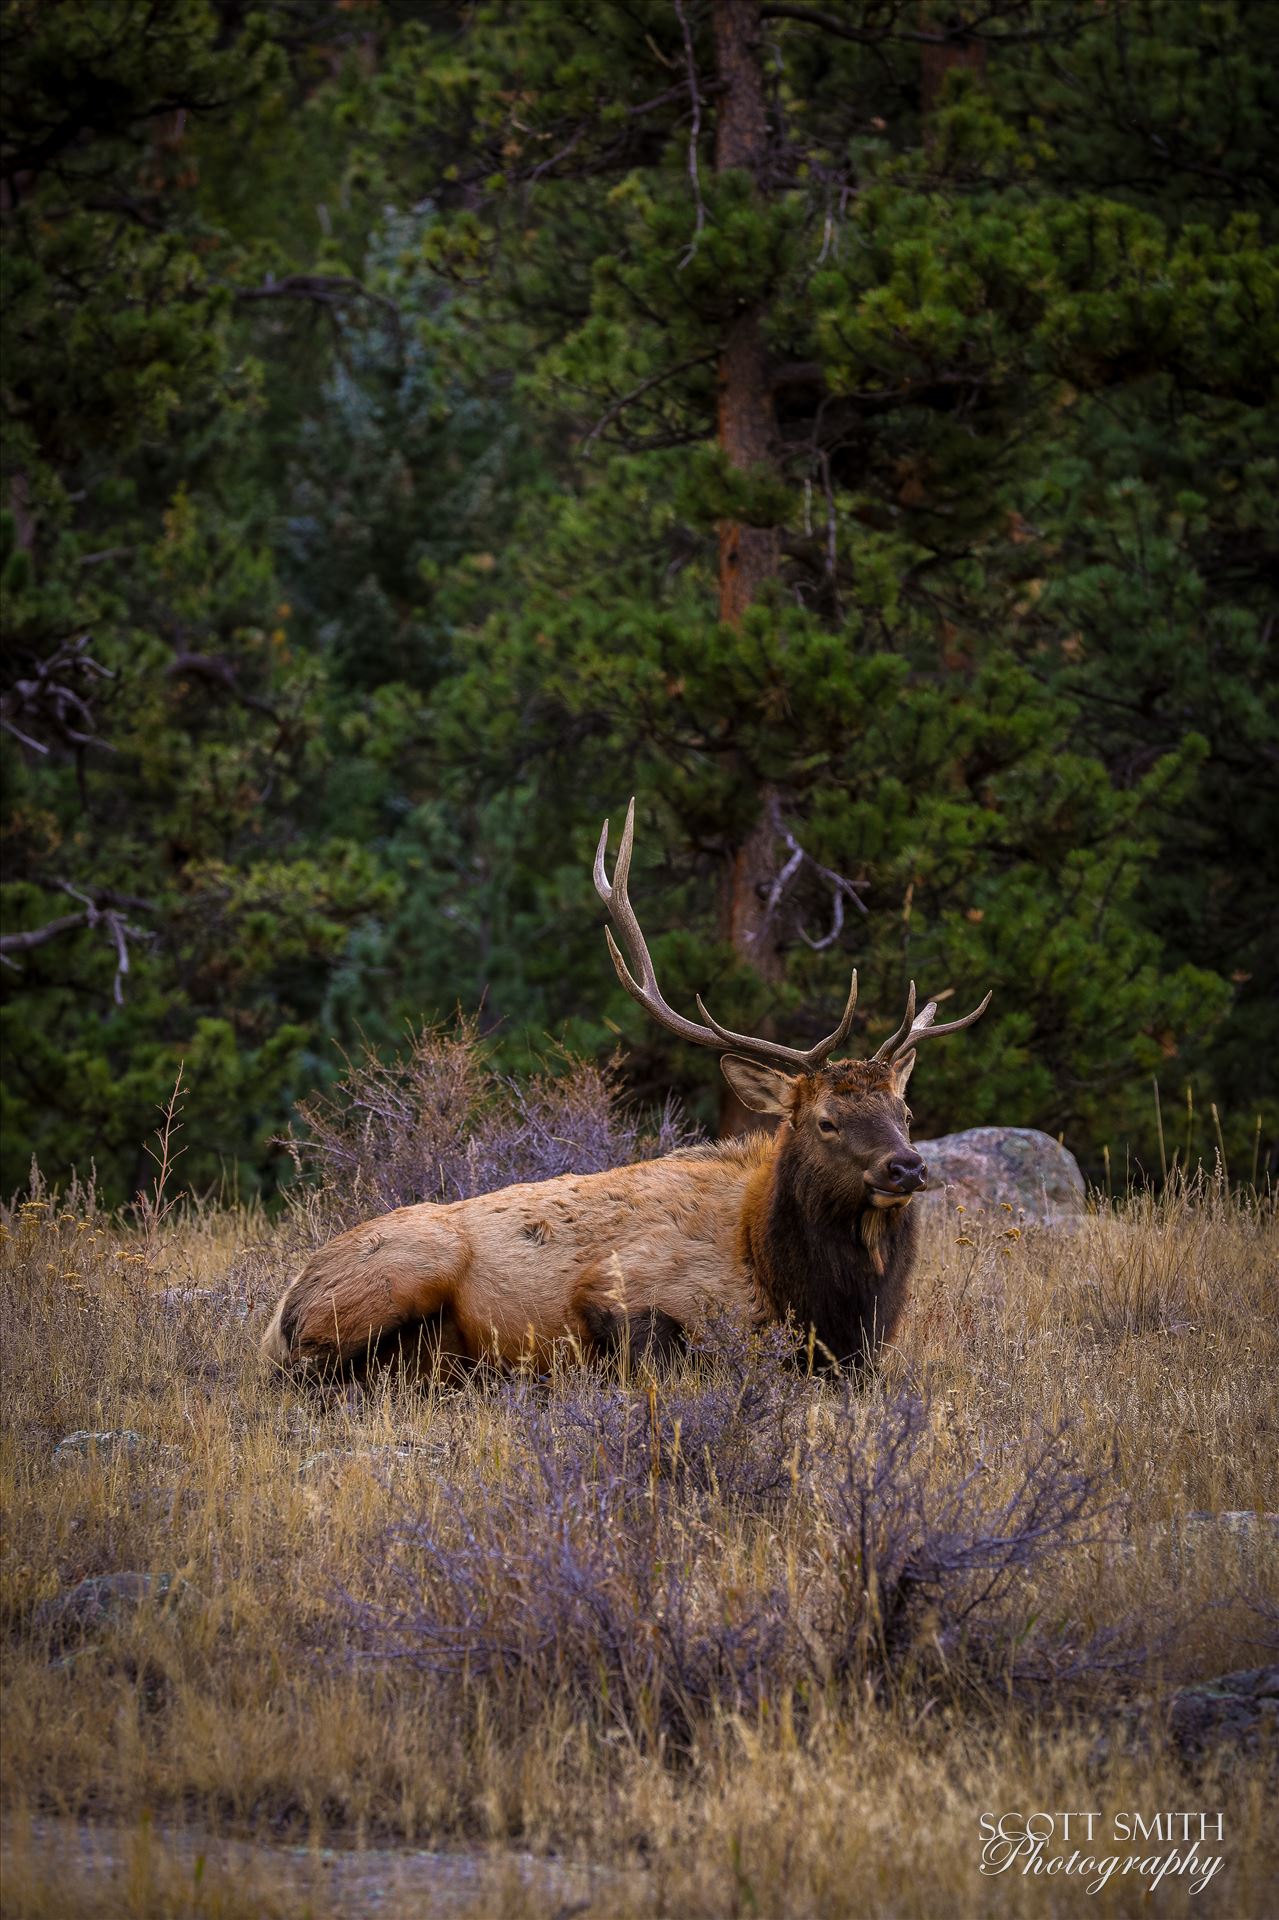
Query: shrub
[
  {"x": 655, "y": 1557},
  {"x": 438, "y": 1122},
  {"x": 921, "y": 1537}
]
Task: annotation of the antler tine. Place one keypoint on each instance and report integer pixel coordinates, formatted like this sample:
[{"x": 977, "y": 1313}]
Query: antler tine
[
  {"x": 622, "y": 864},
  {"x": 825, "y": 1048},
  {"x": 890, "y": 1047},
  {"x": 646, "y": 991},
  {"x": 622, "y": 914},
  {"x": 791, "y": 1056},
  {"x": 923, "y": 1030},
  {"x": 649, "y": 995},
  {"x": 617, "y": 901}
]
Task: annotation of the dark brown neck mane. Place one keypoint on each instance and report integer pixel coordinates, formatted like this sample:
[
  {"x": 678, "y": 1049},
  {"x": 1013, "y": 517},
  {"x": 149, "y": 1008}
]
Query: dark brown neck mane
[{"x": 841, "y": 1270}]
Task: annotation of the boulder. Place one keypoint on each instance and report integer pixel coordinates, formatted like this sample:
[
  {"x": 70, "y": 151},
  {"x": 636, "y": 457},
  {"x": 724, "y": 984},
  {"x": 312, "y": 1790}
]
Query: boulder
[
  {"x": 1224, "y": 1540},
  {"x": 1238, "y": 1709},
  {"x": 988, "y": 1168},
  {"x": 86, "y": 1445},
  {"x": 1249, "y": 1526},
  {"x": 334, "y": 1459},
  {"x": 1234, "y": 1533},
  {"x": 1204, "y": 1720},
  {"x": 76, "y": 1449},
  {"x": 105, "y": 1600}
]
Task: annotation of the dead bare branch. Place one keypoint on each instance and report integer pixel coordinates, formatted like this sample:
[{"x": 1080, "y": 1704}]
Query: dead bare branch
[
  {"x": 103, "y": 907},
  {"x": 841, "y": 886},
  {"x": 961, "y": 32},
  {"x": 219, "y": 672},
  {"x": 330, "y": 290},
  {"x": 41, "y": 706},
  {"x": 694, "y": 134}
]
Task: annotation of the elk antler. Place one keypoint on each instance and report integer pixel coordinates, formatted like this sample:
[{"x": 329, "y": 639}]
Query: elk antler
[
  {"x": 914, "y": 1028},
  {"x": 649, "y": 994}
]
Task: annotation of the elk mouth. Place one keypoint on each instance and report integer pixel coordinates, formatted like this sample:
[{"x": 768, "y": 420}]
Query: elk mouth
[{"x": 890, "y": 1196}]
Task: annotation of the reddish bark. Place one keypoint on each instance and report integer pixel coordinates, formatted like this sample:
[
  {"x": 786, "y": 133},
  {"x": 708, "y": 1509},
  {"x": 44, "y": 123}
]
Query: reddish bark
[
  {"x": 747, "y": 426},
  {"x": 748, "y": 556},
  {"x": 940, "y": 57}
]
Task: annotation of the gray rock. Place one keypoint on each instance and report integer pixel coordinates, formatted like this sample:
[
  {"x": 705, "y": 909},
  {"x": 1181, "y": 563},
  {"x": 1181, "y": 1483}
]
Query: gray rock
[
  {"x": 90, "y": 1862},
  {"x": 85, "y": 1444},
  {"x": 986, "y": 1168},
  {"x": 105, "y": 1600},
  {"x": 333, "y": 1459},
  {"x": 1248, "y": 1524},
  {"x": 1238, "y": 1709},
  {"x": 207, "y": 1300},
  {"x": 1187, "y": 1535},
  {"x": 1227, "y": 1538}
]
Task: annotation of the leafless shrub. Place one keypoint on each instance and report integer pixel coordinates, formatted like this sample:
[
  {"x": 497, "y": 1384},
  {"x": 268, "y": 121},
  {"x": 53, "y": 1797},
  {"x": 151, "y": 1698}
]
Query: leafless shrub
[
  {"x": 609, "y": 1563},
  {"x": 923, "y": 1539},
  {"x": 438, "y": 1122}
]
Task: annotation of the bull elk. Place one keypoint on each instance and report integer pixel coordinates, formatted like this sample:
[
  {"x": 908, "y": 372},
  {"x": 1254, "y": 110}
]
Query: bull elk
[{"x": 813, "y": 1221}]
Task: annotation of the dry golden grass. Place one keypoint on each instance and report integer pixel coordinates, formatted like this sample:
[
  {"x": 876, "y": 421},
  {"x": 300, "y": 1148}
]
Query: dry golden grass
[{"x": 233, "y": 1703}]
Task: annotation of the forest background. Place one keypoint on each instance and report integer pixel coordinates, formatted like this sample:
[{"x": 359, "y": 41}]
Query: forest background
[{"x": 851, "y": 428}]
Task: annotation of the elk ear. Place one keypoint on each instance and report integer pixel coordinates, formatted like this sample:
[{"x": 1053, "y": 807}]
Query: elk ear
[
  {"x": 762, "y": 1089},
  {"x": 902, "y": 1071}
]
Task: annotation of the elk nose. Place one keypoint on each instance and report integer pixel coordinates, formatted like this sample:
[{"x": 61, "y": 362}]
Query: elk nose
[{"x": 907, "y": 1172}]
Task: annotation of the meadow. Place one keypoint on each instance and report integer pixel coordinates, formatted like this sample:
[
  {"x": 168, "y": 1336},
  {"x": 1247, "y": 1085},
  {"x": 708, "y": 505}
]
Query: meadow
[{"x": 732, "y": 1640}]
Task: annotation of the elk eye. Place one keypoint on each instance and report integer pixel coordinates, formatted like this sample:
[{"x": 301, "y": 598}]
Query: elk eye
[{"x": 827, "y": 1126}]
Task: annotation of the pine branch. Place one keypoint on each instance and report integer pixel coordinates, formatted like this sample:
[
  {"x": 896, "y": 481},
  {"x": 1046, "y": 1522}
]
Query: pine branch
[
  {"x": 963, "y": 32},
  {"x": 645, "y": 386}
]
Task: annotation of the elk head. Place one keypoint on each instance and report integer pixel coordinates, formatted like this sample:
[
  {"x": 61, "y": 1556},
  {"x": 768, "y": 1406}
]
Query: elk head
[
  {"x": 850, "y": 1126},
  {"x": 848, "y": 1121}
]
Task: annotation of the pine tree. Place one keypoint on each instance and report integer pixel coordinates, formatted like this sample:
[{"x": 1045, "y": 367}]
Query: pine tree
[
  {"x": 813, "y": 357},
  {"x": 849, "y": 427},
  {"x": 160, "y": 902}
]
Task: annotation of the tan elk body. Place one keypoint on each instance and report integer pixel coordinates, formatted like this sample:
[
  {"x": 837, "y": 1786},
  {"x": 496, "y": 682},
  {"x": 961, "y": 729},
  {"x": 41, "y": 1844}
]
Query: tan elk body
[{"x": 812, "y": 1222}]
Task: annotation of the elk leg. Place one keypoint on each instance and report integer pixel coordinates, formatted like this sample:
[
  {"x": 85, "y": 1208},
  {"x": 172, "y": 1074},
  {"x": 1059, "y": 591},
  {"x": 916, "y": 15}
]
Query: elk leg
[
  {"x": 423, "y": 1350},
  {"x": 646, "y": 1337},
  {"x": 379, "y": 1279}
]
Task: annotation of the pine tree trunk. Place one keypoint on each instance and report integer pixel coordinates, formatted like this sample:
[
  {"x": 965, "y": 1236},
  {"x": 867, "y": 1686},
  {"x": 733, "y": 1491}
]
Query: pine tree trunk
[
  {"x": 938, "y": 58},
  {"x": 748, "y": 556},
  {"x": 747, "y": 428}
]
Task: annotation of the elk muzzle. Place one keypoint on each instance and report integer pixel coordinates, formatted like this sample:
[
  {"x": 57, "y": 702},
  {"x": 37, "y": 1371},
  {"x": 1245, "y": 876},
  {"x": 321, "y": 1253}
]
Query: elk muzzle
[{"x": 893, "y": 1180}]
